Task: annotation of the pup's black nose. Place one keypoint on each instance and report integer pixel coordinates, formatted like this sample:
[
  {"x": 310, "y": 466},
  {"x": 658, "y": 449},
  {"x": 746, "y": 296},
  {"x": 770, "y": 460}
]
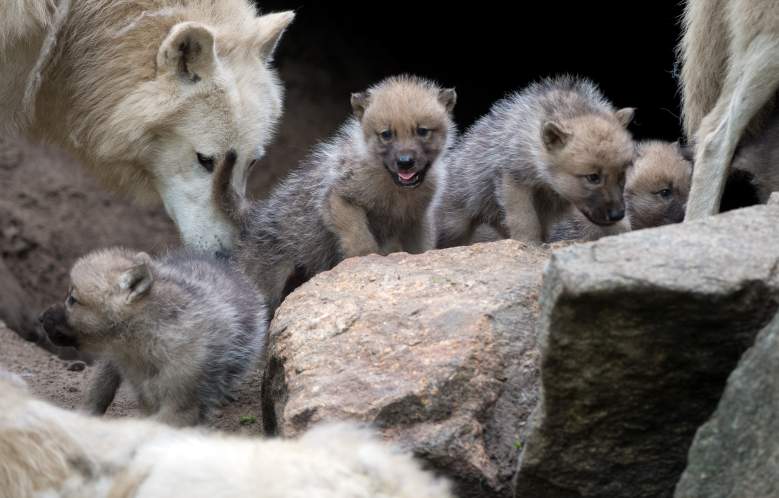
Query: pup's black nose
[
  {"x": 405, "y": 161},
  {"x": 616, "y": 214},
  {"x": 41, "y": 317}
]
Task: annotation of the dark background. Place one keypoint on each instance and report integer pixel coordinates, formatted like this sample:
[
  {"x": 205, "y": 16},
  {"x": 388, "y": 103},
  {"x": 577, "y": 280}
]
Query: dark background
[{"x": 484, "y": 50}]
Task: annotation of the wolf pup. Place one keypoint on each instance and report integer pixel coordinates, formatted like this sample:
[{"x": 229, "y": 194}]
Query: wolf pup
[
  {"x": 183, "y": 330},
  {"x": 656, "y": 193},
  {"x": 365, "y": 191},
  {"x": 558, "y": 143}
]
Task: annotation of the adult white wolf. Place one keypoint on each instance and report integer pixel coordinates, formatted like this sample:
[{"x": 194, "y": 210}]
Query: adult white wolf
[
  {"x": 49, "y": 452},
  {"x": 730, "y": 53},
  {"x": 151, "y": 95}
]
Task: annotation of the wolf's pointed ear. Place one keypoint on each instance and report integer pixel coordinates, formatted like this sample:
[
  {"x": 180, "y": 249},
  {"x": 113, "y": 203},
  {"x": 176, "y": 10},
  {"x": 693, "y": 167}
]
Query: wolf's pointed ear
[
  {"x": 448, "y": 97},
  {"x": 359, "y": 104},
  {"x": 625, "y": 116},
  {"x": 187, "y": 52},
  {"x": 554, "y": 136},
  {"x": 137, "y": 281},
  {"x": 270, "y": 27}
]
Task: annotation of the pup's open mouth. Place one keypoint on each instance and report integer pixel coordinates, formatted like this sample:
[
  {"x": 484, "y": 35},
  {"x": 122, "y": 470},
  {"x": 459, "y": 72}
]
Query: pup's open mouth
[{"x": 409, "y": 179}]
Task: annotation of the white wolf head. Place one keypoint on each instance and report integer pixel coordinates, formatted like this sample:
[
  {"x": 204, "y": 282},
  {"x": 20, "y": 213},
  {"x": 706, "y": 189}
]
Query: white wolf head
[{"x": 213, "y": 98}]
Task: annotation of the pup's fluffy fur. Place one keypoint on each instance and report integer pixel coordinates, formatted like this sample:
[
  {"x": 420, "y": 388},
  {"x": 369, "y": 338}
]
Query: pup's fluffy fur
[
  {"x": 556, "y": 144},
  {"x": 366, "y": 191},
  {"x": 183, "y": 330}
]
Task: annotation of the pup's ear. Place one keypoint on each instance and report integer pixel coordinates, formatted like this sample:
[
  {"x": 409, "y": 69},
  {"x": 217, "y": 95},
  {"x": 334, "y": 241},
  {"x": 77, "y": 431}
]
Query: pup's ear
[
  {"x": 359, "y": 104},
  {"x": 137, "y": 280},
  {"x": 448, "y": 97},
  {"x": 686, "y": 151},
  {"x": 625, "y": 116},
  {"x": 270, "y": 28},
  {"x": 554, "y": 136},
  {"x": 187, "y": 53}
]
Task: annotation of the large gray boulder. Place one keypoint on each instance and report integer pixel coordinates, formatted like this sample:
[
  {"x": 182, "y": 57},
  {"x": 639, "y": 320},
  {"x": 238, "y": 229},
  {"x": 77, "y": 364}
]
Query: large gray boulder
[
  {"x": 638, "y": 335},
  {"x": 735, "y": 454},
  {"x": 436, "y": 350}
]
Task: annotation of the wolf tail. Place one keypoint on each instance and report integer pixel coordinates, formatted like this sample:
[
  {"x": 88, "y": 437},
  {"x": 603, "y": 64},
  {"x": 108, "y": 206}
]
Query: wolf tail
[{"x": 704, "y": 56}]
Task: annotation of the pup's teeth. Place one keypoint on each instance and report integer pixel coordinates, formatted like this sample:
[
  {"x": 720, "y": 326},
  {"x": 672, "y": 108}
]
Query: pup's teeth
[{"x": 406, "y": 176}]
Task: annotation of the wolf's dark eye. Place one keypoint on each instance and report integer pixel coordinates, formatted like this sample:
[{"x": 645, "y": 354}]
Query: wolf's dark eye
[
  {"x": 594, "y": 178},
  {"x": 71, "y": 301},
  {"x": 386, "y": 135},
  {"x": 666, "y": 193},
  {"x": 423, "y": 132},
  {"x": 206, "y": 162}
]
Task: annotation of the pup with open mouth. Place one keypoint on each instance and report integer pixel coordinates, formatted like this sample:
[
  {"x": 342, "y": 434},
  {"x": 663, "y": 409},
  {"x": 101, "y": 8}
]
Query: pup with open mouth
[{"x": 367, "y": 190}]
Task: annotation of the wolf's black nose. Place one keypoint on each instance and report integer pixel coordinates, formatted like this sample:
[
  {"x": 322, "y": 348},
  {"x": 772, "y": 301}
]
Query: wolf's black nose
[{"x": 616, "y": 214}]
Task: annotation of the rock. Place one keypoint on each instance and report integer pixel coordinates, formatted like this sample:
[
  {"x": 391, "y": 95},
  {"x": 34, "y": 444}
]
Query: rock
[
  {"x": 638, "y": 335},
  {"x": 436, "y": 350},
  {"x": 734, "y": 454}
]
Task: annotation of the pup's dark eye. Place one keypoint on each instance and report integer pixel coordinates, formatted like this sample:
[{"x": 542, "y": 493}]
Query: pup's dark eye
[
  {"x": 70, "y": 301},
  {"x": 423, "y": 132},
  {"x": 386, "y": 135},
  {"x": 666, "y": 193},
  {"x": 206, "y": 162},
  {"x": 594, "y": 178}
]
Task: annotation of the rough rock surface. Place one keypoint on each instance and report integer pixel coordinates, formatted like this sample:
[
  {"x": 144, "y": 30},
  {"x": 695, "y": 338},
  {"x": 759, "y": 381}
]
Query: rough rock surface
[
  {"x": 638, "y": 335},
  {"x": 735, "y": 453},
  {"x": 436, "y": 350}
]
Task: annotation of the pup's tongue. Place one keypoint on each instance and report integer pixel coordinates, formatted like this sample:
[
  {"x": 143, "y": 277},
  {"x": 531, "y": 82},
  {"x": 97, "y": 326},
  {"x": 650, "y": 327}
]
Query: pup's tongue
[{"x": 406, "y": 175}]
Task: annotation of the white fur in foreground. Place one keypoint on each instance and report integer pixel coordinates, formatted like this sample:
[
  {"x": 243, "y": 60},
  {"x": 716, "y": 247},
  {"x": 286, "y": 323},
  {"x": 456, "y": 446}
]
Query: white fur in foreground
[{"x": 49, "y": 452}]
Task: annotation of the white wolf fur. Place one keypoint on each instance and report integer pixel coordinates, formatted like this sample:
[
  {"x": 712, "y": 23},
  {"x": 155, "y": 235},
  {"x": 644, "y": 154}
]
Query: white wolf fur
[
  {"x": 136, "y": 89},
  {"x": 48, "y": 452},
  {"x": 730, "y": 53}
]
